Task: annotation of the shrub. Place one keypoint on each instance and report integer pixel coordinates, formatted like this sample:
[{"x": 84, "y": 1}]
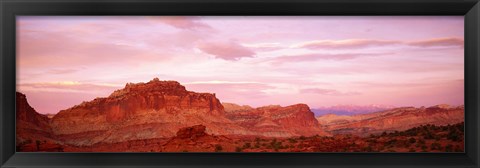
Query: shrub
[
  {"x": 238, "y": 149},
  {"x": 424, "y": 147},
  {"x": 412, "y": 140},
  {"x": 453, "y": 135},
  {"x": 421, "y": 141},
  {"x": 436, "y": 146},
  {"x": 368, "y": 149},
  {"x": 428, "y": 135},
  {"x": 449, "y": 148},
  {"x": 218, "y": 148},
  {"x": 38, "y": 142},
  {"x": 391, "y": 142},
  {"x": 247, "y": 145}
]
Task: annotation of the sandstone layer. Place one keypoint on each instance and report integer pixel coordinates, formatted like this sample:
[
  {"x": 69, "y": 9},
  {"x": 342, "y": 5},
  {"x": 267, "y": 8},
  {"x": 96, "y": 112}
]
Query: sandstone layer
[{"x": 397, "y": 119}]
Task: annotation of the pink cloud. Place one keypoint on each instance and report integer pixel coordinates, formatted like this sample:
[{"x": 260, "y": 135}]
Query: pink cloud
[
  {"x": 328, "y": 92},
  {"x": 226, "y": 50},
  {"x": 265, "y": 47},
  {"x": 63, "y": 71},
  {"x": 97, "y": 50},
  {"x": 343, "y": 44},
  {"x": 242, "y": 93},
  {"x": 68, "y": 86},
  {"x": 438, "y": 42},
  {"x": 58, "y": 49},
  {"x": 320, "y": 56},
  {"x": 364, "y": 43},
  {"x": 183, "y": 22}
]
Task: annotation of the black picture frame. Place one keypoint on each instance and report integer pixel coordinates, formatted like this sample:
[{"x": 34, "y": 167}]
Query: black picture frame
[{"x": 11, "y": 8}]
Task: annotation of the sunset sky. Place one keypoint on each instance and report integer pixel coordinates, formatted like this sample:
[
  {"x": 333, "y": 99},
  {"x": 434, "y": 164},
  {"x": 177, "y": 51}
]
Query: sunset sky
[{"x": 316, "y": 60}]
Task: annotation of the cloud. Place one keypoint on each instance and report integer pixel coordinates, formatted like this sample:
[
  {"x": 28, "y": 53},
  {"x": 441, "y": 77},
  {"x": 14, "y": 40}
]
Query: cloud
[
  {"x": 183, "y": 22},
  {"x": 425, "y": 84},
  {"x": 57, "y": 49},
  {"x": 365, "y": 43},
  {"x": 68, "y": 86},
  {"x": 231, "y": 91},
  {"x": 321, "y": 56},
  {"x": 438, "y": 42},
  {"x": 228, "y": 85},
  {"x": 225, "y": 50},
  {"x": 344, "y": 44},
  {"x": 264, "y": 47},
  {"x": 331, "y": 92},
  {"x": 62, "y": 71}
]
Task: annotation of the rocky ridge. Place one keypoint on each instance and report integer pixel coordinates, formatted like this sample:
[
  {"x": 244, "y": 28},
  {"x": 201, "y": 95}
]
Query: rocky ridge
[{"x": 397, "y": 119}]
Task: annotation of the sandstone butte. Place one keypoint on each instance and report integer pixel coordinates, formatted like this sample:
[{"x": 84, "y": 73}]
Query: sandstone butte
[{"x": 158, "y": 109}]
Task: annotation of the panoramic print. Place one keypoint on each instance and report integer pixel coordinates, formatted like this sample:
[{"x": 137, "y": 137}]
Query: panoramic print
[{"x": 240, "y": 84}]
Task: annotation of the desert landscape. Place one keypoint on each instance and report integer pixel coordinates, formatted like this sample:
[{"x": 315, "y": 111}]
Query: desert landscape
[
  {"x": 240, "y": 84},
  {"x": 162, "y": 116}
]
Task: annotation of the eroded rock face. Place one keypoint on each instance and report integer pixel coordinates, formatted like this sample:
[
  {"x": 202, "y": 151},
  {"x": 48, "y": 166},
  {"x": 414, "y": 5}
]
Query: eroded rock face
[
  {"x": 231, "y": 107},
  {"x": 26, "y": 113},
  {"x": 397, "y": 119},
  {"x": 277, "y": 121},
  {"x": 192, "y": 132},
  {"x": 156, "y": 109},
  {"x": 30, "y": 125}
]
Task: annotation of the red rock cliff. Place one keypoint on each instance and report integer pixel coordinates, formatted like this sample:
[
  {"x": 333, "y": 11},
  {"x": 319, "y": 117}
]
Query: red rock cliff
[
  {"x": 139, "y": 111},
  {"x": 294, "y": 120},
  {"x": 30, "y": 125}
]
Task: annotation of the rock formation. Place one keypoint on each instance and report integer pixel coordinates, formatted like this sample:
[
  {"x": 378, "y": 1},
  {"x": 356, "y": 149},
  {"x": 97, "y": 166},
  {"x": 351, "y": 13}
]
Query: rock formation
[
  {"x": 156, "y": 109},
  {"x": 277, "y": 121},
  {"x": 164, "y": 116},
  {"x": 31, "y": 125},
  {"x": 397, "y": 119},
  {"x": 231, "y": 107},
  {"x": 191, "y": 132}
]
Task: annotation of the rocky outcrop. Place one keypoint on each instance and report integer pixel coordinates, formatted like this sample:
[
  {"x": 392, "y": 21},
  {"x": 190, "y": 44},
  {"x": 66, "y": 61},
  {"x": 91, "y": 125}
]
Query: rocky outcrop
[
  {"x": 397, "y": 119},
  {"x": 26, "y": 113},
  {"x": 277, "y": 121},
  {"x": 350, "y": 109},
  {"x": 156, "y": 109},
  {"x": 30, "y": 125},
  {"x": 231, "y": 107},
  {"x": 192, "y": 132}
]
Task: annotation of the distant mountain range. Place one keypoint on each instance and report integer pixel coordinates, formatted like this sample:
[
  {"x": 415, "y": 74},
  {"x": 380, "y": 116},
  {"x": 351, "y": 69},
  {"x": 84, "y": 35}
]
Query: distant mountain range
[
  {"x": 350, "y": 109},
  {"x": 397, "y": 119}
]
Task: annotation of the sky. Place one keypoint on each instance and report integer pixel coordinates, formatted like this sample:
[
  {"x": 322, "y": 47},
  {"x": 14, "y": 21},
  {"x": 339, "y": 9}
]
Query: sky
[{"x": 249, "y": 60}]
